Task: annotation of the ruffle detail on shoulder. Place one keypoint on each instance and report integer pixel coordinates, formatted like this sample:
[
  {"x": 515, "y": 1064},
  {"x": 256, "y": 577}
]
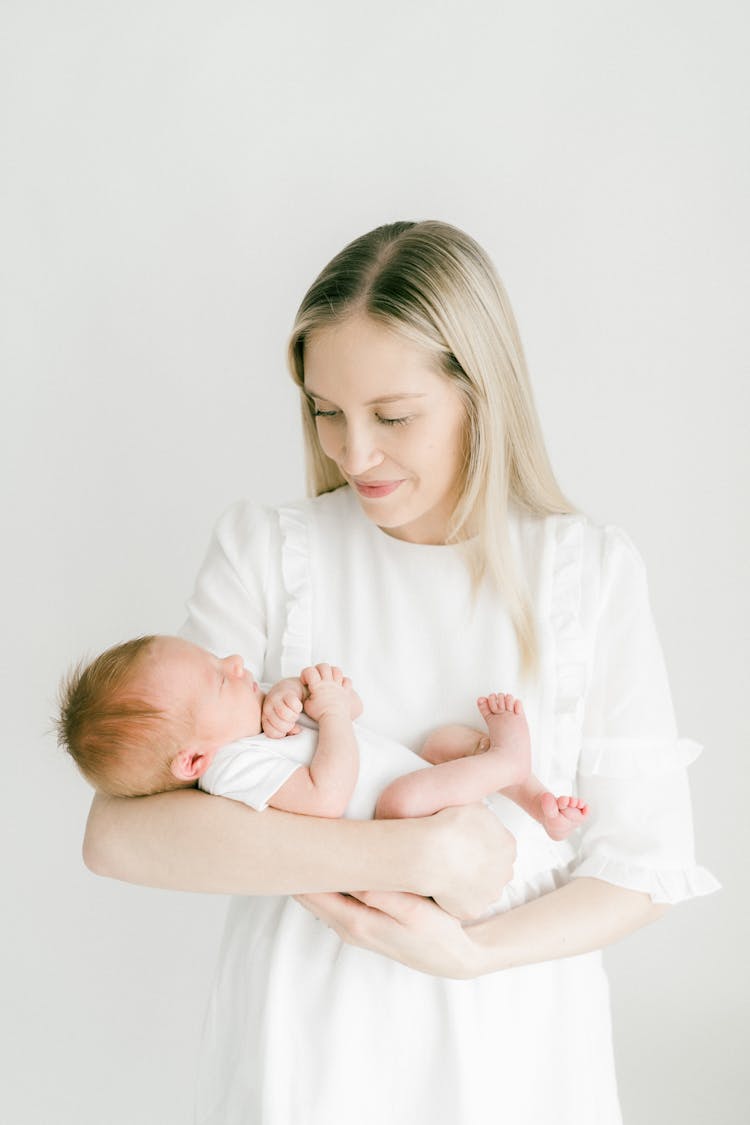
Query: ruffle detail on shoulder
[
  {"x": 663, "y": 885},
  {"x": 295, "y": 571},
  {"x": 569, "y": 642},
  {"x": 636, "y": 757}
]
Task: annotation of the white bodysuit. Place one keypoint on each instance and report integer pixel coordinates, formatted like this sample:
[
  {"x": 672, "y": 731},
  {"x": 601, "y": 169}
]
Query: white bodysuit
[
  {"x": 305, "y": 1030},
  {"x": 252, "y": 769}
]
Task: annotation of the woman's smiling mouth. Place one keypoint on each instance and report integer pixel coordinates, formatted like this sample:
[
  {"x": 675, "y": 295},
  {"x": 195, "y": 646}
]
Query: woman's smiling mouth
[{"x": 374, "y": 489}]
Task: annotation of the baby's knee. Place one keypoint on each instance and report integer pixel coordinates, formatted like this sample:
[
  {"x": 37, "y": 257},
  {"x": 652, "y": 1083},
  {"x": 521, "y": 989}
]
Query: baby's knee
[{"x": 391, "y": 805}]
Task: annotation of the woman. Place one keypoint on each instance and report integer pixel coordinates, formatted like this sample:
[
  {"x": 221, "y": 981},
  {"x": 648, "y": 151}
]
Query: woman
[{"x": 439, "y": 561}]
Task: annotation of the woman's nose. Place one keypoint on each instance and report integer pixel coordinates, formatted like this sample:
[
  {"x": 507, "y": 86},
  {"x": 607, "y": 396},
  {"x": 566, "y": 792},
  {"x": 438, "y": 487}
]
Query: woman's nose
[{"x": 359, "y": 451}]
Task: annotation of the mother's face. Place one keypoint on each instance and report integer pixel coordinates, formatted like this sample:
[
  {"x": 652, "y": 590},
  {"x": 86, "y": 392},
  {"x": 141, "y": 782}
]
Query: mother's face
[{"x": 392, "y": 423}]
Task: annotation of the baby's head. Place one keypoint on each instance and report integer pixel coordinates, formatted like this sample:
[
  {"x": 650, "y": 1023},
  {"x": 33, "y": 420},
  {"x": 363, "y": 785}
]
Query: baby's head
[{"x": 148, "y": 715}]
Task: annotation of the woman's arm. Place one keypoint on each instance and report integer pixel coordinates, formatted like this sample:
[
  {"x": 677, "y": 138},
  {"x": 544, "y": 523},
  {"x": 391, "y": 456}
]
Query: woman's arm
[
  {"x": 583, "y": 915},
  {"x": 187, "y": 840}
]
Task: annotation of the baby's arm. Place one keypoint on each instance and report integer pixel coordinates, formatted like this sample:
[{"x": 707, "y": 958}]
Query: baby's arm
[{"x": 325, "y": 787}]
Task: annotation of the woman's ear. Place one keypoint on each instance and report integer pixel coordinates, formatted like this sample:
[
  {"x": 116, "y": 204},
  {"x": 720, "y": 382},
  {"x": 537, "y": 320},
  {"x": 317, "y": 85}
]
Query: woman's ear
[{"x": 189, "y": 765}]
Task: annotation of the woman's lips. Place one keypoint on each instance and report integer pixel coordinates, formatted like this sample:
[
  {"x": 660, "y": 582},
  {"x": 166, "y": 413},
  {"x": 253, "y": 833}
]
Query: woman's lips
[{"x": 377, "y": 488}]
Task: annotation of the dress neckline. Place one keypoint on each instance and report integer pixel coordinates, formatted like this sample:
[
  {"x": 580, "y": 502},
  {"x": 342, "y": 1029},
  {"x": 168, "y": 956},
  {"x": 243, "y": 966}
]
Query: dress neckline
[{"x": 403, "y": 545}]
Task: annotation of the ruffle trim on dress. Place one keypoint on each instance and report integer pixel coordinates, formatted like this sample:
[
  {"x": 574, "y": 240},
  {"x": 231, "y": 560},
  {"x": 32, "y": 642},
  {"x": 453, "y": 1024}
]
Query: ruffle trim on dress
[
  {"x": 569, "y": 643},
  {"x": 665, "y": 885},
  {"x": 295, "y": 572},
  {"x": 636, "y": 757}
]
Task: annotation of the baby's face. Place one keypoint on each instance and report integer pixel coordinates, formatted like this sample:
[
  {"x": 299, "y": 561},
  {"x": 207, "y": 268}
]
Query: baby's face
[{"x": 216, "y": 696}]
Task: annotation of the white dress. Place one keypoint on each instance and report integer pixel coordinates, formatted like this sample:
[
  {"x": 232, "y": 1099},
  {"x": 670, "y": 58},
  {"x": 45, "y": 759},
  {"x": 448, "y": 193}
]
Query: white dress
[{"x": 304, "y": 1030}]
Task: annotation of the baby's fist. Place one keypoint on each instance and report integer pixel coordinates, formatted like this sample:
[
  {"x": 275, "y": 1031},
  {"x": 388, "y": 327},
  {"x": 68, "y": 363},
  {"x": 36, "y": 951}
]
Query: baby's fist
[
  {"x": 331, "y": 692},
  {"x": 279, "y": 715}
]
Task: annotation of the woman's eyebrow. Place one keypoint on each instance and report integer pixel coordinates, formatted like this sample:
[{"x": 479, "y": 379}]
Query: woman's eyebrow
[{"x": 373, "y": 401}]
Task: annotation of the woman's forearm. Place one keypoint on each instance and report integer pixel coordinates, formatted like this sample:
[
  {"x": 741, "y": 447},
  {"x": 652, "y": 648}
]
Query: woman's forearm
[
  {"x": 583, "y": 915},
  {"x": 190, "y": 841},
  {"x": 187, "y": 840}
]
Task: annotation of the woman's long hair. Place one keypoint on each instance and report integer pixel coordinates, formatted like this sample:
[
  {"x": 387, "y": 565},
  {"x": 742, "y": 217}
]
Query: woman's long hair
[{"x": 435, "y": 285}]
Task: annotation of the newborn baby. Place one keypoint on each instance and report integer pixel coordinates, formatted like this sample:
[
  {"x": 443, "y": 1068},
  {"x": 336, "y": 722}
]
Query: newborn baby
[{"x": 159, "y": 713}]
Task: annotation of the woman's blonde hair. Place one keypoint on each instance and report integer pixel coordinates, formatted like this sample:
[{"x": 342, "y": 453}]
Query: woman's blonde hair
[{"x": 435, "y": 285}]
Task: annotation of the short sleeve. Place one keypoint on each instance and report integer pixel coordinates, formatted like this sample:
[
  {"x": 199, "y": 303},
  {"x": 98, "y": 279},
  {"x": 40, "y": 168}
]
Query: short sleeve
[
  {"x": 250, "y": 771},
  {"x": 228, "y": 610},
  {"x": 632, "y": 764}
]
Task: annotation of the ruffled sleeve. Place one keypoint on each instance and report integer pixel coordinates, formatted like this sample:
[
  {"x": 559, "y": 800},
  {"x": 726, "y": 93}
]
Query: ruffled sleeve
[
  {"x": 632, "y": 764},
  {"x": 228, "y": 610}
]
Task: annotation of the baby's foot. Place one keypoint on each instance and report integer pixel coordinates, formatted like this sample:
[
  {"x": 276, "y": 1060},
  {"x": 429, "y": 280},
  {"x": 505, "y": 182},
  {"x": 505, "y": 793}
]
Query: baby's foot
[
  {"x": 509, "y": 734},
  {"x": 560, "y": 816}
]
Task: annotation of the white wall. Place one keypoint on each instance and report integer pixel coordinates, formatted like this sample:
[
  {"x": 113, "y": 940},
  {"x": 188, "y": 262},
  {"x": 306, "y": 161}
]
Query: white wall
[{"x": 174, "y": 176}]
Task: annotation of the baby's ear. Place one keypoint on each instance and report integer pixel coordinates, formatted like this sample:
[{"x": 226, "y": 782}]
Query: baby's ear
[{"x": 189, "y": 765}]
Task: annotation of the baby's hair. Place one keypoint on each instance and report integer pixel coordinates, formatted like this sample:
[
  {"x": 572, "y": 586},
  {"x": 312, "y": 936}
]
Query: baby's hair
[{"x": 119, "y": 740}]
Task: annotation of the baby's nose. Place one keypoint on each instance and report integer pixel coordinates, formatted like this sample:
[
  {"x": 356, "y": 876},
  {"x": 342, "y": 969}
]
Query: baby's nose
[{"x": 235, "y": 665}]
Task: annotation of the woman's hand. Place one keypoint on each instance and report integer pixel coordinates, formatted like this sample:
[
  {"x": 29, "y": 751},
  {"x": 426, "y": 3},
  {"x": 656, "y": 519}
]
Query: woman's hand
[
  {"x": 404, "y": 927},
  {"x": 466, "y": 858},
  {"x": 578, "y": 917}
]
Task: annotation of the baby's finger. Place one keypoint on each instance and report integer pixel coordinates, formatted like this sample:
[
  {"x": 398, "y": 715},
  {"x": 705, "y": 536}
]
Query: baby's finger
[
  {"x": 310, "y": 677},
  {"x": 337, "y": 674},
  {"x": 272, "y": 731},
  {"x": 292, "y": 701},
  {"x": 324, "y": 671}
]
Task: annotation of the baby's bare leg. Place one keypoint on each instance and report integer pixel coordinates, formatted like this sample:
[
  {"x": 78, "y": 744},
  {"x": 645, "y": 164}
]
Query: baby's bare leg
[
  {"x": 445, "y": 744},
  {"x": 559, "y": 816},
  {"x": 467, "y": 766},
  {"x": 509, "y": 734}
]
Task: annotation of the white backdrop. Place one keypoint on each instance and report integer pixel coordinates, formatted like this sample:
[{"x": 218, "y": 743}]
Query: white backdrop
[{"x": 174, "y": 175}]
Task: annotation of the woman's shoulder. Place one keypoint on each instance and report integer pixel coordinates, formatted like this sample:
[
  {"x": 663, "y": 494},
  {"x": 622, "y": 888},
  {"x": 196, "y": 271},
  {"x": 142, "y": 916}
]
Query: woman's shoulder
[
  {"x": 577, "y": 565},
  {"x": 248, "y": 529},
  {"x": 575, "y": 535},
  {"x": 248, "y": 514}
]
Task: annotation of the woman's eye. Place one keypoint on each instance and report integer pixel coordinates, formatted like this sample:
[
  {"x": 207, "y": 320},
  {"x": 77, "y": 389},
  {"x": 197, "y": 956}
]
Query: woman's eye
[
  {"x": 393, "y": 421},
  {"x": 324, "y": 413}
]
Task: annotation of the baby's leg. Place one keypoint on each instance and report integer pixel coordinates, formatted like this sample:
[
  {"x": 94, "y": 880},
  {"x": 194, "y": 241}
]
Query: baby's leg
[
  {"x": 467, "y": 766},
  {"x": 559, "y": 816},
  {"x": 445, "y": 744},
  {"x": 509, "y": 735}
]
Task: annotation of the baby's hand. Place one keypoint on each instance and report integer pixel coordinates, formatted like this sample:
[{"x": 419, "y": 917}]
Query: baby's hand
[
  {"x": 331, "y": 693},
  {"x": 280, "y": 710}
]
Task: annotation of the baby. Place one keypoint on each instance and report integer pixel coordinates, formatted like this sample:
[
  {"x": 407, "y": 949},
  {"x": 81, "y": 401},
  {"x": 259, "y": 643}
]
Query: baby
[{"x": 160, "y": 713}]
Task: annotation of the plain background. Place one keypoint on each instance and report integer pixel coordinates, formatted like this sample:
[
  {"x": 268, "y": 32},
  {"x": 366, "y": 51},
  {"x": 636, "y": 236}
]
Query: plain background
[{"x": 173, "y": 177}]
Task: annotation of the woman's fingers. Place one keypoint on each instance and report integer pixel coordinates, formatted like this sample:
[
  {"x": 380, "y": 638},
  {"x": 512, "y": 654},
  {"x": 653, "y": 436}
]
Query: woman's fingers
[
  {"x": 404, "y": 927},
  {"x": 341, "y": 913},
  {"x": 399, "y": 905}
]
